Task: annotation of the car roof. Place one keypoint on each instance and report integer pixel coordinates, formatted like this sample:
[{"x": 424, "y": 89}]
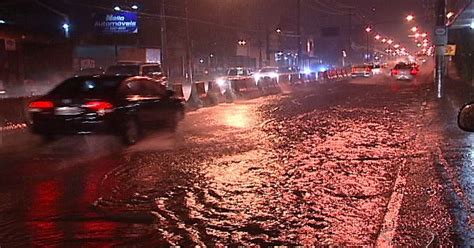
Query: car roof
[
  {"x": 113, "y": 77},
  {"x": 136, "y": 63}
]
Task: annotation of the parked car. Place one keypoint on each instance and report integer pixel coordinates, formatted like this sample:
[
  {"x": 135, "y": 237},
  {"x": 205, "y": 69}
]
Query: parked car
[
  {"x": 403, "y": 71},
  {"x": 361, "y": 71},
  {"x": 120, "y": 105},
  {"x": 3, "y": 91}
]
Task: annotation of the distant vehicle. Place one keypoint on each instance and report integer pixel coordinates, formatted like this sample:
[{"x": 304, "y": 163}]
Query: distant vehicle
[
  {"x": 403, "y": 71},
  {"x": 361, "y": 71},
  {"x": 151, "y": 70},
  {"x": 90, "y": 72},
  {"x": 2, "y": 88},
  {"x": 376, "y": 69},
  {"x": 267, "y": 74},
  {"x": 118, "y": 105}
]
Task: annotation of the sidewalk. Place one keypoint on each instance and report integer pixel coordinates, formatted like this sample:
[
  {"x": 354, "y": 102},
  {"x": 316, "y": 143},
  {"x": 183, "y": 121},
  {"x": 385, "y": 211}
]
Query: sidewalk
[{"x": 455, "y": 158}]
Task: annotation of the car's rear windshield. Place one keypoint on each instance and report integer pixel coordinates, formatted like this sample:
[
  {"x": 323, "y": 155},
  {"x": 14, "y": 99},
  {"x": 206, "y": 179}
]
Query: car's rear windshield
[
  {"x": 130, "y": 70},
  {"x": 237, "y": 72},
  {"x": 87, "y": 87},
  {"x": 403, "y": 66}
]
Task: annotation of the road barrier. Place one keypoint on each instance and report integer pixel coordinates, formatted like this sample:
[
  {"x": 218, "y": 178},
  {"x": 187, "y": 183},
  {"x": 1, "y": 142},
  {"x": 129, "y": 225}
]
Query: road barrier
[{"x": 14, "y": 113}]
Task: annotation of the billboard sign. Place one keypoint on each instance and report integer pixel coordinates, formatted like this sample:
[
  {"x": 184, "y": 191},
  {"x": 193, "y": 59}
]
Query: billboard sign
[{"x": 116, "y": 23}]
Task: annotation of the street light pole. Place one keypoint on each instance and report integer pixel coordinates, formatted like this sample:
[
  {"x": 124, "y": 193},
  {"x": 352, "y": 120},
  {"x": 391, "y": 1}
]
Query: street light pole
[
  {"x": 298, "y": 32},
  {"x": 441, "y": 41},
  {"x": 188, "y": 44},
  {"x": 163, "y": 37},
  {"x": 367, "y": 30},
  {"x": 367, "y": 54}
]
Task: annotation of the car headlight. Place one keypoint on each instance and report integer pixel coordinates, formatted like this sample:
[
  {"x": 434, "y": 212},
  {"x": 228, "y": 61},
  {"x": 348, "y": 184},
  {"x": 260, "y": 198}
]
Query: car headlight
[
  {"x": 257, "y": 77},
  {"x": 221, "y": 82},
  {"x": 273, "y": 75}
]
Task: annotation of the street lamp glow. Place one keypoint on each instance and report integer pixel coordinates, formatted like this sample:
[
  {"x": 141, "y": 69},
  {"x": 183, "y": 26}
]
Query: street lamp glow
[
  {"x": 410, "y": 18},
  {"x": 368, "y": 29},
  {"x": 377, "y": 37},
  {"x": 66, "y": 28},
  {"x": 242, "y": 42},
  {"x": 418, "y": 45},
  {"x": 117, "y": 8},
  {"x": 424, "y": 35},
  {"x": 384, "y": 40},
  {"x": 417, "y": 35},
  {"x": 278, "y": 30},
  {"x": 450, "y": 14},
  {"x": 2, "y": 21},
  {"x": 396, "y": 45},
  {"x": 472, "y": 25},
  {"x": 414, "y": 29},
  {"x": 134, "y": 7},
  {"x": 425, "y": 41},
  {"x": 390, "y": 41}
]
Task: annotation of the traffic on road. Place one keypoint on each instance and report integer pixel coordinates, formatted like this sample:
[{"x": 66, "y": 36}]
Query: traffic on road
[{"x": 268, "y": 123}]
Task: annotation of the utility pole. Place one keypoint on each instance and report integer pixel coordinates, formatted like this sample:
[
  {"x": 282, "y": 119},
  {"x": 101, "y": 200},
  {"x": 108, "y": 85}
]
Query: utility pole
[
  {"x": 164, "y": 51},
  {"x": 298, "y": 32},
  {"x": 367, "y": 54},
  {"x": 441, "y": 39},
  {"x": 189, "y": 60}
]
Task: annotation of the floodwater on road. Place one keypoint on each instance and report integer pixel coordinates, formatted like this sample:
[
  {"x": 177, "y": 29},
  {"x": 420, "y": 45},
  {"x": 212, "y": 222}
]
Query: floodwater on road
[{"x": 316, "y": 166}]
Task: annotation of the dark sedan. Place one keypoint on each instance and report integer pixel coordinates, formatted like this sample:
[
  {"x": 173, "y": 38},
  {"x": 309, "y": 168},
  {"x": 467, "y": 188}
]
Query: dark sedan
[{"x": 119, "y": 105}]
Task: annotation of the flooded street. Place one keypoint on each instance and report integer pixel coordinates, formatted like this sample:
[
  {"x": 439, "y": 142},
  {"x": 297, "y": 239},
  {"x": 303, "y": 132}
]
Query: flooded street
[{"x": 350, "y": 163}]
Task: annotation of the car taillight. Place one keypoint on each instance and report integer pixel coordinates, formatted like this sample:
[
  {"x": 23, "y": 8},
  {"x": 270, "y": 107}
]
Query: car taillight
[
  {"x": 353, "y": 69},
  {"x": 413, "y": 71},
  {"x": 40, "y": 106},
  {"x": 99, "y": 106},
  {"x": 394, "y": 71},
  {"x": 368, "y": 69}
]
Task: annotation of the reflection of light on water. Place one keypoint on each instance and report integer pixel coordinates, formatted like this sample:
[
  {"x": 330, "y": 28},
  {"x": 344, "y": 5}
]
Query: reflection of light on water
[
  {"x": 467, "y": 169},
  {"x": 237, "y": 116}
]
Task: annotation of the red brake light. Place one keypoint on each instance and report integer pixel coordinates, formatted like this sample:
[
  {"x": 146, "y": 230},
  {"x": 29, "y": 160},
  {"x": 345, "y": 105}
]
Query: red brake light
[
  {"x": 414, "y": 71},
  {"x": 41, "y": 105},
  {"x": 98, "y": 105},
  {"x": 368, "y": 69},
  {"x": 394, "y": 71}
]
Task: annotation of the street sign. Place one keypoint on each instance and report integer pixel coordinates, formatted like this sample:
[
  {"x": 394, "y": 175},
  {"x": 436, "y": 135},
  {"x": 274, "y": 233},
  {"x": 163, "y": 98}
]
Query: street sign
[
  {"x": 450, "y": 50},
  {"x": 440, "y": 36}
]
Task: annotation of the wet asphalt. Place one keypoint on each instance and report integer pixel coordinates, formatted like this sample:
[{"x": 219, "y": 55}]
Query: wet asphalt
[{"x": 359, "y": 162}]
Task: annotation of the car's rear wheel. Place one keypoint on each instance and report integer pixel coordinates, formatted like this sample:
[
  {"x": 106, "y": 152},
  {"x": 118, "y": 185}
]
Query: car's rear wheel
[
  {"x": 131, "y": 132},
  {"x": 175, "y": 119}
]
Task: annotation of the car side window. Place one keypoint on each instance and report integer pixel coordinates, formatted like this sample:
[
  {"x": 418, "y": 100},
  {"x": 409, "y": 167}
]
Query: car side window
[
  {"x": 155, "y": 89},
  {"x": 131, "y": 90},
  {"x": 151, "y": 71}
]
